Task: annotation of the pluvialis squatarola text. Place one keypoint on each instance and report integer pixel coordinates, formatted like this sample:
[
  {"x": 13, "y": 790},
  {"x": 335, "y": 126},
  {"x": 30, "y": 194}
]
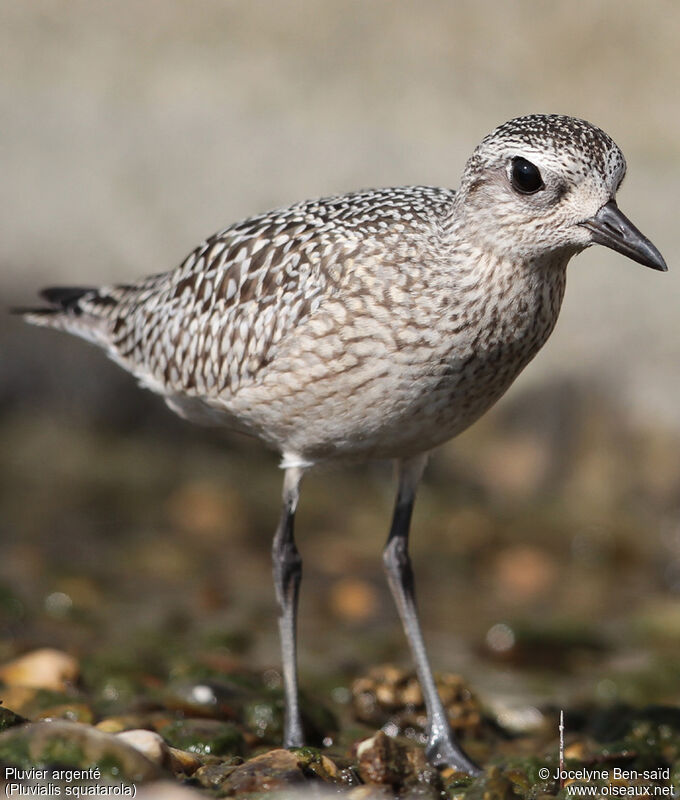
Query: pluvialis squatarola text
[{"x": 372, "y": 325}]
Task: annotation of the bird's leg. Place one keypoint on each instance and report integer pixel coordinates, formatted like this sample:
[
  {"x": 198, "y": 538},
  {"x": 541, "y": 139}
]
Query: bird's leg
[
  {"x": 287, "y": 574},
  {"x": 442, "y": 748}
]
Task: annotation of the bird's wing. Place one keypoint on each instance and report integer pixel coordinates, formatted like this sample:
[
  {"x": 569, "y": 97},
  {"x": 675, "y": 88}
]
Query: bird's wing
[{"x": 212, "y": 323}]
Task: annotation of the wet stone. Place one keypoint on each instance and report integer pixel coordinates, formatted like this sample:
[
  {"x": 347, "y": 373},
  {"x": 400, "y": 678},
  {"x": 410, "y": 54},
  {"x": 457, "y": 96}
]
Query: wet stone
[
  {"x": 74, "y": 745},
  {"x": 181, "y": 761},
  {"x": 277, "y": 769},
  {"x": 390, "y": 694},
  {"x": 149, "y": 743},
  {"x": 203, "y": 736},
  {"x": 393, "y": 762},
  {"x": 212, "y": 776},
  {"x": 313, "y": 761},
  {"x": 32, "y": 702},
  {"x": 44, "y": 669},
  {"x": 18, "y": 698}
]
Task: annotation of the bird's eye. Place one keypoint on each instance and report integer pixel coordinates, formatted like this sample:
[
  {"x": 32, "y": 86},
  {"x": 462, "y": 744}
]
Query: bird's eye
[{"x": 525, "y": 176}]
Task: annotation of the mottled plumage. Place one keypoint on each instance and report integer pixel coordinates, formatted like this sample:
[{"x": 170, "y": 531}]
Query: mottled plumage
[{"x": 376, "y": 324}]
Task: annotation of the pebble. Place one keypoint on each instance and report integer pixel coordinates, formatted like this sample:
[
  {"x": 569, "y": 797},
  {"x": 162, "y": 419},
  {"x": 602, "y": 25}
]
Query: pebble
[
  {"x": 43, "y": 669},
  {"x": 19, "y": 698},
  {"x": 313, "y": 761},
  {"x": 277, "y": 769},
  {"x": 395, "y": 763},
  {"x": 151, "y": 744},
  {"x": 390, "y": 694},
  {"x": 183, "y": 761},
  {"x": 212, "y": 776}
]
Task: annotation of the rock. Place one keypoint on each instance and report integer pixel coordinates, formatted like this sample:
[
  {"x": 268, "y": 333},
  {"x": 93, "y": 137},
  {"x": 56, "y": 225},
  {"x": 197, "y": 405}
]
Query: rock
[
  {"x": 18, "y": 698},
  {"x": 313, "y": 761},
  {"x": 203, "y": 736},
  {"x": 394, "y": 763},
  {"x": 72, "y": 744},
  {"x": 180, "y": 761},
  {"x": 515, "y": 715},
  {"x": 277, "y": 769},
  {"x": 212, "y": 776},
  {"x": 43, "y": 669},
  {"x": 380, "y": 760},
  {"x": 33, "y": 703},
  {"x": 150, "y": 743}
]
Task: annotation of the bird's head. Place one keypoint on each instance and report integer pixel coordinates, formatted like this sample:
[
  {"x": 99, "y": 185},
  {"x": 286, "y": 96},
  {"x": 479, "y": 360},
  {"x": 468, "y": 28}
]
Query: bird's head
[{"x": 545, "y": 184}]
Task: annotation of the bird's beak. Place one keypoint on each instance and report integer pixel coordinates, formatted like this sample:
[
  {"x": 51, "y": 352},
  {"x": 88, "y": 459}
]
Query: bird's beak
[{"x": 612, "y": 228}]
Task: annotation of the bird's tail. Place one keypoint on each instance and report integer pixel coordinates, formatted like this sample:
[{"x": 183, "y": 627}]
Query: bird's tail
[{"x": 84, "y": 312}]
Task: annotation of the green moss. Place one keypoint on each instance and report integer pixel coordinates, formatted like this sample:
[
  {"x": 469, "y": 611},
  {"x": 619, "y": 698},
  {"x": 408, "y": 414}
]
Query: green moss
[
  {"x": 62, "y": 751},
  {"x": 14, "y": 751}
]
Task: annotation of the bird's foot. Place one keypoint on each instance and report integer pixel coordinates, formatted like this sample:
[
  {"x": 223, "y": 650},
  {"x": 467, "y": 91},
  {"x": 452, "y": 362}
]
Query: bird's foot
[{"x": 444, "y": 752}]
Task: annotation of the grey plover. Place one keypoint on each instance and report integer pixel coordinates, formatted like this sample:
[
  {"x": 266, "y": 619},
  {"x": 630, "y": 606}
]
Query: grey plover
[{"x": 372, "y": 325}]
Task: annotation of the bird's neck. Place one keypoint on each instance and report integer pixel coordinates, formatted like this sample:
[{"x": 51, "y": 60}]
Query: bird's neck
[{"x": 502, "y": 306}]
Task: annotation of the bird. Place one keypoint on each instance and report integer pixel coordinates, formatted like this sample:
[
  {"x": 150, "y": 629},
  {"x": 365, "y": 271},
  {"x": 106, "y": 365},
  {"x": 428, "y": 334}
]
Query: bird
[{"x": 376, "y": 324}]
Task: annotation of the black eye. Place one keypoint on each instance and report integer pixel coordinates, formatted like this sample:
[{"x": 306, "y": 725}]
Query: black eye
[{"x": 525, "y": 176}]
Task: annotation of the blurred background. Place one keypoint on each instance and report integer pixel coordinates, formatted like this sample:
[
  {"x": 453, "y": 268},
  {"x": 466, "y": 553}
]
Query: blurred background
[{"x": 546, "y": 538}]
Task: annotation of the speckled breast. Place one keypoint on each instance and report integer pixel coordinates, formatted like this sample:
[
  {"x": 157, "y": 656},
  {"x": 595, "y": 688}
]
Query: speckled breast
[{"x": 393, "y": 386}]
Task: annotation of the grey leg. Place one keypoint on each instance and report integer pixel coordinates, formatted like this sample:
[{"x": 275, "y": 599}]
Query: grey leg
[
  {"x": 442, "y": 748},
  {"x": 287, "y": 574}
]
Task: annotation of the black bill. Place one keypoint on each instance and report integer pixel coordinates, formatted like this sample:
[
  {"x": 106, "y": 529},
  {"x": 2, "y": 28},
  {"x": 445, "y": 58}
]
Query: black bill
[{"x": 612, "y": 228}]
